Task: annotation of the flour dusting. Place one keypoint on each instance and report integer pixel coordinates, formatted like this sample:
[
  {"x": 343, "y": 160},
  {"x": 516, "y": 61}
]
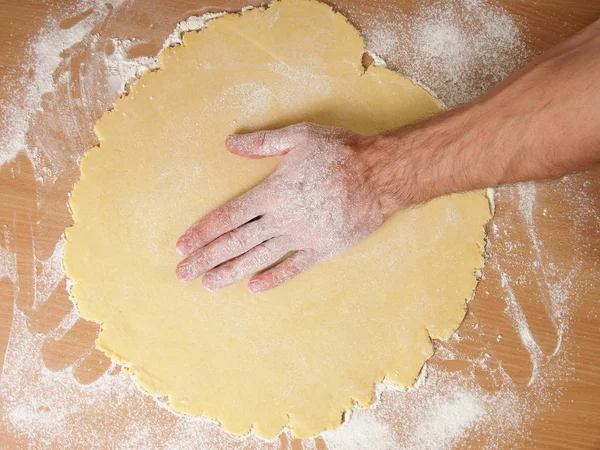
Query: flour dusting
[
  {"x": 361, "y": 433},
  {"x": 49, "y": 273},
  {"x": 44, "y": 57},
  {"x": 459, "y": 50},
  {"x": 194, "y": 23},
  {"x": 8, "y": 265}
]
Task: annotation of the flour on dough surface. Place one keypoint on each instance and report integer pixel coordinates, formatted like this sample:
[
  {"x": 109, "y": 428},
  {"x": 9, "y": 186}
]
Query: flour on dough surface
[{"x": 302, "y": 354}]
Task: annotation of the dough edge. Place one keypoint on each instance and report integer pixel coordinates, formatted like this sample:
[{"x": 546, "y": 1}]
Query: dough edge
[{"x": 157, "y": 388}]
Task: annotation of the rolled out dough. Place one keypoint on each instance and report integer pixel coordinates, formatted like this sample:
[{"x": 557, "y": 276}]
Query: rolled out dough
[{"x": 304, "y": 353}]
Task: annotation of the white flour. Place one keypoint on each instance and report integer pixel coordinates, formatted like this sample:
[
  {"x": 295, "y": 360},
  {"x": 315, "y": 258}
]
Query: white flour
[
  {"x": 361, "y": 433},
  {"x": 43, "y": 61},
  {"x": 8, "y": 265},
  {"x": 459, "y": 59},
  {"x": 49, "y": 274},
  {"x": 457, "y": 49},
  {"x": 193, "y": 23},
  {"x": 514, "y": 311}
]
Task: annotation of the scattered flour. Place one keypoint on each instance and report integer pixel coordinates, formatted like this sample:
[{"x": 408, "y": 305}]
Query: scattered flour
[
  {"x": 193, "y": 23},
  {"x": 459, "y": 50},
  {"x": 450, "y": 420},
  {"x": 48, "y": 276},
  {"x": 43, "y": 60},
  {"x": 515, "y": 312},
  {"x": 121, "y": 69},
  {"x": 364, "y": 432},
  {"x": 8, "y": 265}
]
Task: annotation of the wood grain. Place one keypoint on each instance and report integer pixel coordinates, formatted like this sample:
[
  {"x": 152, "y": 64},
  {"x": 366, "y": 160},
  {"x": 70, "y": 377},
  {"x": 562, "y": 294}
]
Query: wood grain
[{"x": 30, "y": 212}]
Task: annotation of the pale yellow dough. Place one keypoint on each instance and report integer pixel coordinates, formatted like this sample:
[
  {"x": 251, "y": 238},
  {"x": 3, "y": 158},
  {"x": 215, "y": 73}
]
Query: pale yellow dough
[{"x": 304, "y": 353}]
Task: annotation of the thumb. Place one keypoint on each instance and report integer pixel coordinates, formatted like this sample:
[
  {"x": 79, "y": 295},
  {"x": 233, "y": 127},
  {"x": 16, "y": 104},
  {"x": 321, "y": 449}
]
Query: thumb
[{"x": 261, "y": 144}]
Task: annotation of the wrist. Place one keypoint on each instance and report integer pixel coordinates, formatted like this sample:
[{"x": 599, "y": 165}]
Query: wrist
[
  {"x": 420, "y": 162},
  {"x": 390, "y": 168}
]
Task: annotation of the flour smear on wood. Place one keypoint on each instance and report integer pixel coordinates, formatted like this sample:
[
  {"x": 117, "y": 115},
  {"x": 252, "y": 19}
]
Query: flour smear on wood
[{"x": 70, "y": 75}]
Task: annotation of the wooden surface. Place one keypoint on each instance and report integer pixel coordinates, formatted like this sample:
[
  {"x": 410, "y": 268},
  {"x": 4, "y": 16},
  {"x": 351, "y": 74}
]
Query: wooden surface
[{"x": 560, "y": 237}]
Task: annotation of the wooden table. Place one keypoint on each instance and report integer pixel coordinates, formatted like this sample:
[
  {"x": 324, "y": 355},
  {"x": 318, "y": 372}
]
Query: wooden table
[{"x": 543, "y": 268}]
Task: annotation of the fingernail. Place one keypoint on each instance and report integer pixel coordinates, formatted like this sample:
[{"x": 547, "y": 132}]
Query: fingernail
[
  {"x": 182, "y": 248},
  {"x": 255, "y": 286},
  {"x": 209, "y": 282},
  {"x": 181, "y": 274},
  {"x": 184, "y": 272},
  {"x": 235, "y": 138}
]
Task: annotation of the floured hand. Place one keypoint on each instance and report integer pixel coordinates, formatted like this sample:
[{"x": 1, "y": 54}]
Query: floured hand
[
  {"x": 318, "y": 203},
  {"x": 334, "y": 187}
]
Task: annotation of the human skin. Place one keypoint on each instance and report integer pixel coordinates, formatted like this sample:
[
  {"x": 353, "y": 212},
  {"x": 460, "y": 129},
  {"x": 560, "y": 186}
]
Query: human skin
[{"x": 334, "y": 187}]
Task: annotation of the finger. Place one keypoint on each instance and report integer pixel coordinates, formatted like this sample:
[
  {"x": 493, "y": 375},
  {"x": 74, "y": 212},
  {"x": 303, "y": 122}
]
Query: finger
[
  {"x": 253, "y": 261},
  {"x": 285, "y": 271},
  {"x": 222, "y": 220},
  {"x": 223, "y": 249},
  {"x": 266, "y": 143}
]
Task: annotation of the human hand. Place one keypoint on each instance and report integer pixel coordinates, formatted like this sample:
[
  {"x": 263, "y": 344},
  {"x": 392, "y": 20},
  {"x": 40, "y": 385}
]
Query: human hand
[{"x": 319, "y": 202}]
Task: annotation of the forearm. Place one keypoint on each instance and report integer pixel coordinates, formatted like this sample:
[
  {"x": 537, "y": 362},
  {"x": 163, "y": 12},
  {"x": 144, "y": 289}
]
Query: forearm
[{"x": 542, "y": 122}]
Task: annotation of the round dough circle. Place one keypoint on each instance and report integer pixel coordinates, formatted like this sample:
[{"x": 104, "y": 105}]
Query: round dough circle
[{"x": 302, "y": 354}]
